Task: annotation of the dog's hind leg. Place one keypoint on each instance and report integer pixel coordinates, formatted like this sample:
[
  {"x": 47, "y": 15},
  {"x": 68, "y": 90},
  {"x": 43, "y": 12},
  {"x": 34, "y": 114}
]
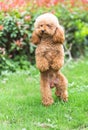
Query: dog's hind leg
[
  {"x": 61, "y": 87},
  {"x": 45, "y": 89}
]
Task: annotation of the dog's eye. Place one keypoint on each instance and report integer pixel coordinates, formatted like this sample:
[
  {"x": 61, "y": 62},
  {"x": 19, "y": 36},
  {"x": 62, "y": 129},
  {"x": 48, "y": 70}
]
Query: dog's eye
[
  {"x": 48, "y": 25},
  {"x": 41, "y": 25}
]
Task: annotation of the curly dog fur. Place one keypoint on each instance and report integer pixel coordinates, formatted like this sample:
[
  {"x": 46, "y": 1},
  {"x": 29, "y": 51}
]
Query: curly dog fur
[{"x": 48, "y": 35}]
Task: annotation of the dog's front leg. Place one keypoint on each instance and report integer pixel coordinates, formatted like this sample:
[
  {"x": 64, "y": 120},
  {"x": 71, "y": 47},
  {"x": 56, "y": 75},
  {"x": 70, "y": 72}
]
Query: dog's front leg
[
  {"x": 42, "y": 63},
  {"x": 57, "y": 63},
  {"x": 45, "y": 89}
]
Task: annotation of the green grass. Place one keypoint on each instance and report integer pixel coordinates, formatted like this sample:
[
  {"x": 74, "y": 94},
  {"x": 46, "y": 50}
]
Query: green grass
[{"x": 20, "y": 101}]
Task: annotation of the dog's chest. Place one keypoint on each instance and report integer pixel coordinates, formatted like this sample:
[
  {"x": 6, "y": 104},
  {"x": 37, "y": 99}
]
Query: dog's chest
[
  {"x": 51, "y": 52},
  {"x": 48, "y": 50}
]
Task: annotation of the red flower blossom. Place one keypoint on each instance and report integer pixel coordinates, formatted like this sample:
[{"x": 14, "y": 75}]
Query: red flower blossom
[
  {"x": 1, "y": 27},
  {"x": 72, "y": 3},
  {"x": 18, "y": 43}
]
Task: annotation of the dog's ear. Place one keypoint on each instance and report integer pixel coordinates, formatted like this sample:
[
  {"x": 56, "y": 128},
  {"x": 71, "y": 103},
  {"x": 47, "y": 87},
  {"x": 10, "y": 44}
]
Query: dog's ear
[
  {"x": 35, "y": 39},
  {"x": 59, "y": 35}
]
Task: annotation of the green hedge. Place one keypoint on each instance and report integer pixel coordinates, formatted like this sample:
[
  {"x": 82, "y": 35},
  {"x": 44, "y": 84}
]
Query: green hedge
[{"x": 16, "y": 29}]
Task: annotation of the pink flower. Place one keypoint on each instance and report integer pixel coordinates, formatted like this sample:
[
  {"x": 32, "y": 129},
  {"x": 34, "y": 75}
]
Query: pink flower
[
  {"x": 19, "y": 42},
  {"x": 27, "y": 17},
  {"x": 56, "y": 2},
  {"x": 7, "y": 5},
  {"x": 48, "y": 2},
  {"x": 85, "y": 1}
]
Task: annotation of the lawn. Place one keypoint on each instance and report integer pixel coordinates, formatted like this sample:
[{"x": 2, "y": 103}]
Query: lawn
[{"x": 20, "y": 101}]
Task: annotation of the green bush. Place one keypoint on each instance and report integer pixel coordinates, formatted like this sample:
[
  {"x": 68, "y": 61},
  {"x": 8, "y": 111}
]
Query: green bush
[
  {"x": 14, "y": 39},
  {"x": 16, "y": 29},
  {"x": 76, "y": 29}
]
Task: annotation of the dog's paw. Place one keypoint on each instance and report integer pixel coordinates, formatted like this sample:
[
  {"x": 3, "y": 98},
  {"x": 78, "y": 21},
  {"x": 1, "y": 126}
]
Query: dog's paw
[
  {"x": 55, "y": 66},
  {"x": 65, "y": 99},
  {"x": 43, "y": 65},
  {"x": 47, "y": 101},
  {"x": 64, "y": 96}
]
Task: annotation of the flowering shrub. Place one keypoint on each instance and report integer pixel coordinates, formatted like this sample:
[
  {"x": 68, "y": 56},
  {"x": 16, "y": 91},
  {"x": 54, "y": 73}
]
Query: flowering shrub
[
  {"x": 7, "y": 5},
  {"x": 15, "y": 32},
  {"x": 16, "y": 26}
]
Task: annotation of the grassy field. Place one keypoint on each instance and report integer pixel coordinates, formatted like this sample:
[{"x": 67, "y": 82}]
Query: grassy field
[{"x": 20, "y": 101}]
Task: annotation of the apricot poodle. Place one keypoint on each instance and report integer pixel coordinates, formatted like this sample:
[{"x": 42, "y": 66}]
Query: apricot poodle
[{"x": 48, "y": 35}]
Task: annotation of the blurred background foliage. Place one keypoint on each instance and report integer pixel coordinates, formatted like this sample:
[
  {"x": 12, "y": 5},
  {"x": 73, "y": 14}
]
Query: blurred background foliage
[{"x": 16, "y": 26}]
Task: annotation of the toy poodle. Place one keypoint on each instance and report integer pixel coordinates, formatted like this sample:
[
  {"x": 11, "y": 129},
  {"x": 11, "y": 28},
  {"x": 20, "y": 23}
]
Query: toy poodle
[{"x": 49, "y": 37}]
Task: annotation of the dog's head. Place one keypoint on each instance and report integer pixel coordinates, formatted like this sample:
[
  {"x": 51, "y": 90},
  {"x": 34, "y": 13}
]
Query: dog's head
[{"x": 48, "y": 25}]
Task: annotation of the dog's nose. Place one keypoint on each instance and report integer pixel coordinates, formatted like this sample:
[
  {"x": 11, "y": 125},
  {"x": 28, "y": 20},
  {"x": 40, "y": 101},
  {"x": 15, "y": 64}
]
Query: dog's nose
[{"x": 42, "y": 31}]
